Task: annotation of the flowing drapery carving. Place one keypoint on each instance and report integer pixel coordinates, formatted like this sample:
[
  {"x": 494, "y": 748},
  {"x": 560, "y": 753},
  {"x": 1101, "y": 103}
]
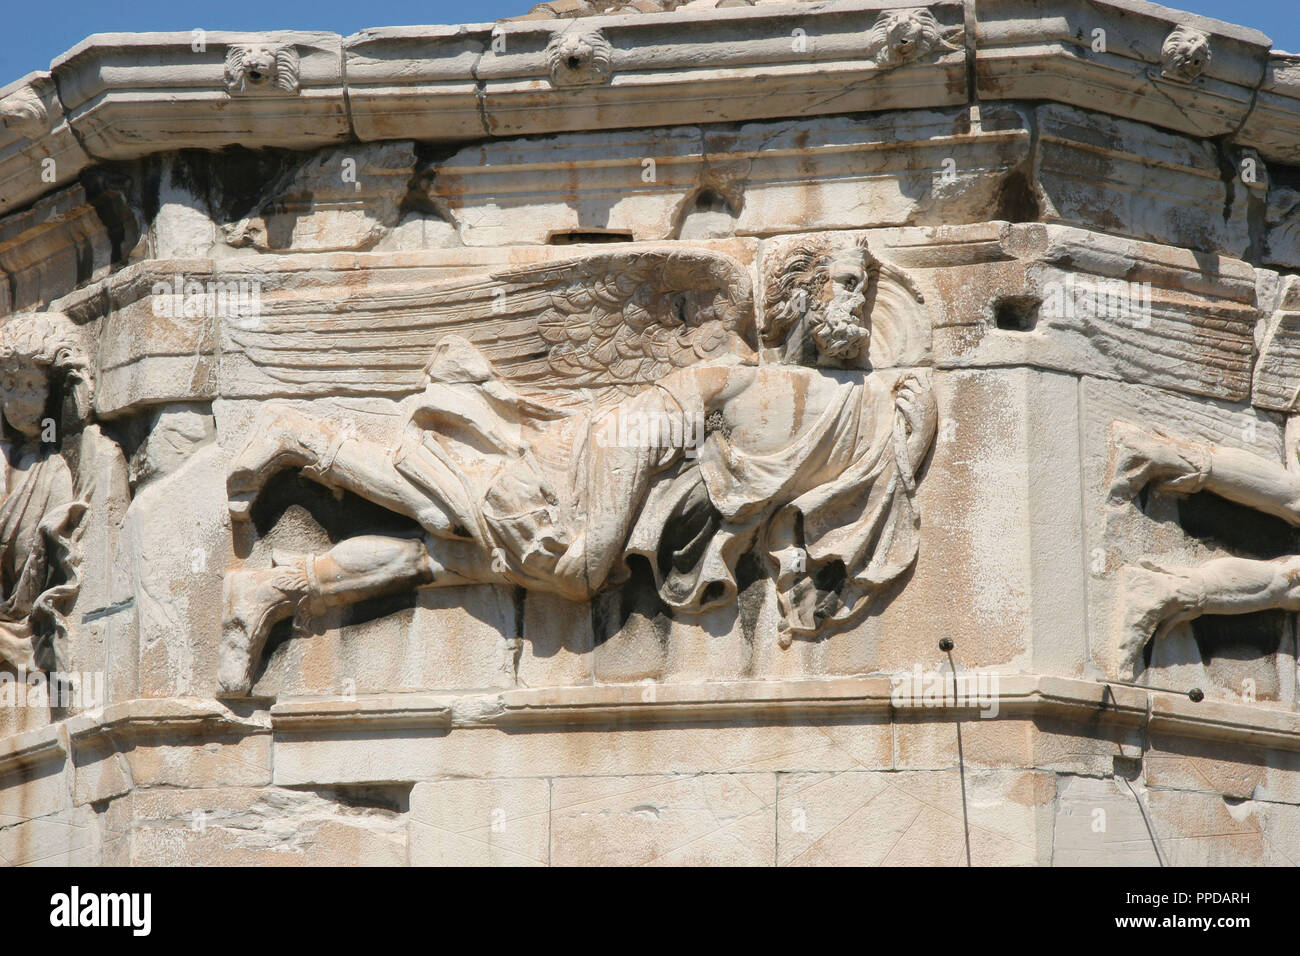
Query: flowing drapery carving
[
  {"x": 42, "y": 509},
  {"x": 647, "y": 428}
]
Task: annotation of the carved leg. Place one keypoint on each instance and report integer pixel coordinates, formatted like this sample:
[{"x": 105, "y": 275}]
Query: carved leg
[
  {"x": 1152, "y": 601},
  {"x": 359, "y": 568},
  {"x": 353, "y": 570},
  {"x": 1149, "y": 601},
  {"x": 286, "y": 438},
  {"x": 368, "y": 566},
  {"x": 1143, "y": 457},
  {"x": 1255, "y": 482},
  {"x": 281, "y": 438},
  {"x": 255, "y": 601}
]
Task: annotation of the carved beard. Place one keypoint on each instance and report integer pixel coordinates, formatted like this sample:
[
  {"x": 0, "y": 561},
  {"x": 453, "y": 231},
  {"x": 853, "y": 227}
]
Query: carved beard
[{"x": 838, "y": 332}]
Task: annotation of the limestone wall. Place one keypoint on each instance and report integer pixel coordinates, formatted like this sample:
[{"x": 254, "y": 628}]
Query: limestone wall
[{"x": 985, "y": 313}]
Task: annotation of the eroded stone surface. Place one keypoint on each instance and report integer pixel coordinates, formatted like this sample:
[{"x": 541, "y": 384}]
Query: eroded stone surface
[{"x": 596, "y": 438}]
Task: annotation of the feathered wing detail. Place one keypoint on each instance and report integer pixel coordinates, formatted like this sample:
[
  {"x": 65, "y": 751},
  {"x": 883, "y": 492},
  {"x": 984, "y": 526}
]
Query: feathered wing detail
[
  {"x": 625, "y": 320},
  {"x": 609, "y": 322}
]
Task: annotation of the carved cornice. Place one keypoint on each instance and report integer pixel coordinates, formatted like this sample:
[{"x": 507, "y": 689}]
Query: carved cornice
[
  {"x": 38, "y": 149},
  {"x": 129, "y": 95},
  {"x": 193, "y": 721},
  {"x": 1117, "y": 57}
]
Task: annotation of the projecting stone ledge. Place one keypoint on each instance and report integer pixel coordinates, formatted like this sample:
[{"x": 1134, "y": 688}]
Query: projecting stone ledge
[
  {"x": 120, "y": 96},
  {"x": 768, "y": 433},
  {"x": 759, "y": 773}
]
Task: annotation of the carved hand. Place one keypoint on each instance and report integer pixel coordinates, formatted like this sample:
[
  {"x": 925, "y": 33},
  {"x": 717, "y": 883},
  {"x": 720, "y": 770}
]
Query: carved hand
[{"x": 915, "y": 401}]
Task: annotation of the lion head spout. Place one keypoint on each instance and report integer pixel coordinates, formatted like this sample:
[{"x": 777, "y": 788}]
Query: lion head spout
[
  {"x": 580, "y": 59},
  {"x": 902, "y": 36},
  {"x": 1185, "y": 54},
  {"x": 258, "y": 68}
]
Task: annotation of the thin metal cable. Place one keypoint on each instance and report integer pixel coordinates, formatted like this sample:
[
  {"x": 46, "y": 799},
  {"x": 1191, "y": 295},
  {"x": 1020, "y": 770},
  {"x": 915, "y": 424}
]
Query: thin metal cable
[{"x": 946, "y": 645}]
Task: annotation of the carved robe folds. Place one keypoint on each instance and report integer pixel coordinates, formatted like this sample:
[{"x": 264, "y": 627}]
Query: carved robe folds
[
  {"x": 39, "y": 519},
  {"x": 824, "y": 493}
]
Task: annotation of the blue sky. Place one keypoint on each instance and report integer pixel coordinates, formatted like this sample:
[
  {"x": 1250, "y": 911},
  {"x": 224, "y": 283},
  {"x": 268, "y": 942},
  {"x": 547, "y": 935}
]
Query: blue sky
[{"x": 36, "y": 31}]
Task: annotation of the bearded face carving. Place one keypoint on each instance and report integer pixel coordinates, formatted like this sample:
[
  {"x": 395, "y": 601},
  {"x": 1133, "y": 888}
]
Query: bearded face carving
[
  {"x": 580, "y": 59},
  {"x": 258, "y": 68},
  {"x": 825, "y": 300},
  {"x": 901, "y": 36},
  {"x": 1185, "y": 54},
  {"x": 823, "y": 286}
]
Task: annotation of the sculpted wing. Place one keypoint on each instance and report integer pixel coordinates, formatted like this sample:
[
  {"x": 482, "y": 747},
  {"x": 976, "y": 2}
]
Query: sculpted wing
[
  {"x": 621, "y": 321},
  {"x": 600, "y": 326}
]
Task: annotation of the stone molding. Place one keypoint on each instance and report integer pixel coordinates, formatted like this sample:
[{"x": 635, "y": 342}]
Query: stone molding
[
  {"x": 193, "y": 721},
  {"x": 1018, "y": 695},
  {"x": 120, "y": 96}
]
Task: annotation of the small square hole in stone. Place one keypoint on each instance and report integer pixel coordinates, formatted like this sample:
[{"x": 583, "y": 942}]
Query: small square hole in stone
[{"x": 1017, "y": 313}]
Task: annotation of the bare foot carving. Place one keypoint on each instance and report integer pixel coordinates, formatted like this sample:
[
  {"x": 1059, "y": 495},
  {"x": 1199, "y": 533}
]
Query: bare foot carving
[
  {"x": 1144, "y": 457},
  {"x": 281, "y": 438},
  {"x": 1151, "y": 602},
  {"x": 254, "y": 602}
]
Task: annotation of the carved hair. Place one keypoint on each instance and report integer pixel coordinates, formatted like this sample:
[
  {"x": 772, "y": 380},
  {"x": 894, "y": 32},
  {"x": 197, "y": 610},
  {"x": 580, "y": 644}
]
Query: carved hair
[
  {"x": 899, "y": 36},
  {"x": 804, "y": 275},
  {"x": 280, "y": 76},
  {"x": 52, "y": 342},
  {"x": 580, "y": 59},
  {"x": 1185, "y": 53},
  {"x": 49, "y": 340}
]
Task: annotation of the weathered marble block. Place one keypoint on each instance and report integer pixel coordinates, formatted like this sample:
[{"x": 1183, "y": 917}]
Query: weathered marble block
[{"x": 858, "y": 432}]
